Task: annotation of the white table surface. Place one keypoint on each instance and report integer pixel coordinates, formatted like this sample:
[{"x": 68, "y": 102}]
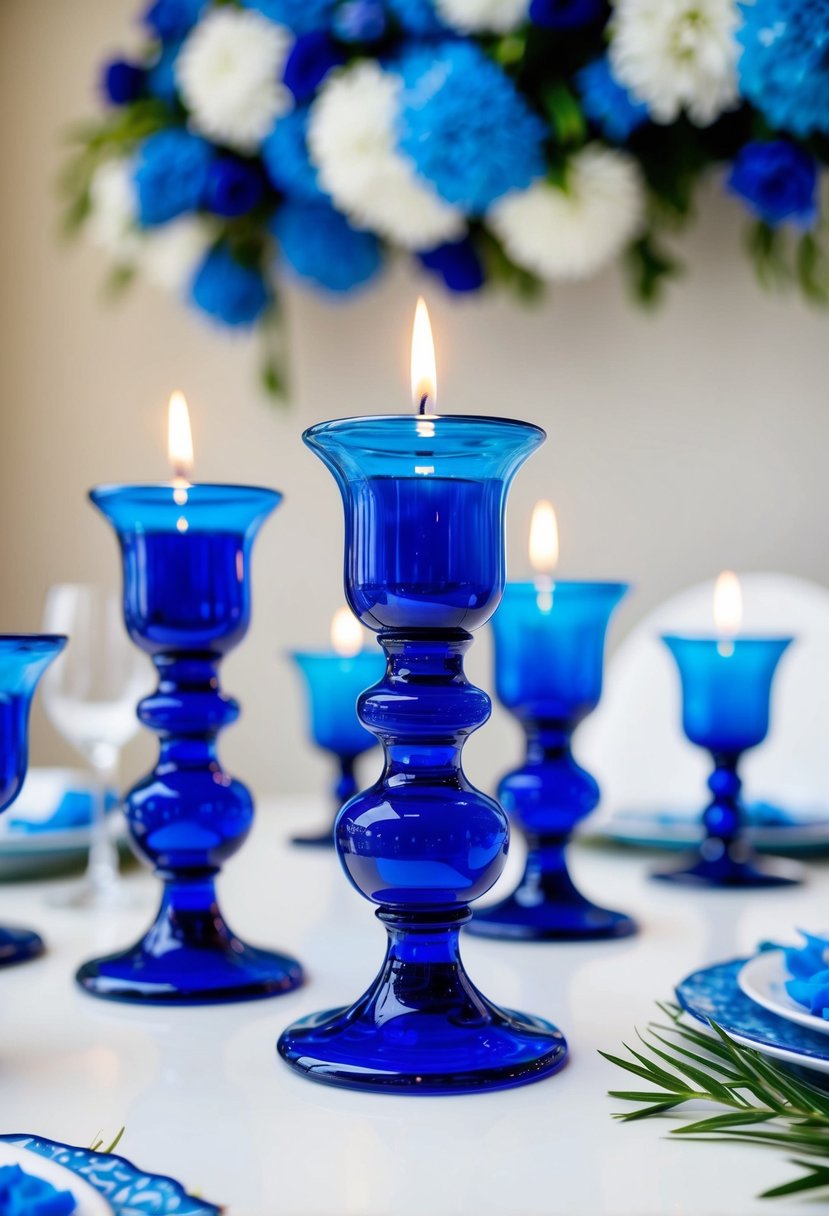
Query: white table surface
[{"x": 205, "y": 1098}]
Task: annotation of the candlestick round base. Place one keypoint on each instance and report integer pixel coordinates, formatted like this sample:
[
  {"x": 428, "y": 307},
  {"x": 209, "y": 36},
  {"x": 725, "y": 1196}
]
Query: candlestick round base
[
  {"x": 731, "y": 867},
  {"x": 575, "y": 919},
  {"x": 19, "y": 945}
]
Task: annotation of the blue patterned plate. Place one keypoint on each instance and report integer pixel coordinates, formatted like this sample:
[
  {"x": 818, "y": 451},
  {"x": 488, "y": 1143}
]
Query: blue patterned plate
[
  {"x": 714, "y": 994},
  {"x": 127, "y": 1190}
]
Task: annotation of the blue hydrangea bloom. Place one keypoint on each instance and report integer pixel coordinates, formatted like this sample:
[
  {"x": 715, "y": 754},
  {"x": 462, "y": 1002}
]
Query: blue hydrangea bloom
[
  {"x": 161, "y": 77},
  {"x": 360, "y": 21},
  {"x": 784, "y": 65},
  {"x": 607, "y": 103},
  {"x": 301, "y": 16},
  {"x": 310, "y": 60},
  {"x": 417, "y": 17},
  {"x": 456, "y": 263},
  {"x": 566, "y": 14},
  {"x": 778, "y": 180},
  {"x": 320, "y": 245},
  {"x": 170, "y": 20},
  {"x": 465, "y": 126},
  {"x": 229, "y": 292},
  {"x": 171, "y": 175},
  {"x": 287, "y": 163},
  {"x": 233, "y": 187},
  {"x": 123, "y": 82}
]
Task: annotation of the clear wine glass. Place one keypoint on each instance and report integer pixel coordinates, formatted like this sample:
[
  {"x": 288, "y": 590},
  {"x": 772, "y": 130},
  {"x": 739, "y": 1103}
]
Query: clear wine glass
[{"x": 90, "y": 697}]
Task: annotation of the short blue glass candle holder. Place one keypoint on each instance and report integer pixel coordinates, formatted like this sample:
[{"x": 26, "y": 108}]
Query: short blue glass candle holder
[
  {"x": 23, "y": 659},
  {"x": 549, "y": 659},
  {"x": 424, "y": 500},
  {"x": 726, "y": 694},
  {"x": 186, "y": 566},
  {"x": 333, "y": 684}
]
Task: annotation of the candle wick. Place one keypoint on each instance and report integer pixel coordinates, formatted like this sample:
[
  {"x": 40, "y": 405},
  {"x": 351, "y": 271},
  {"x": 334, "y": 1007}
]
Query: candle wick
[{"x": 423, "y": 403}]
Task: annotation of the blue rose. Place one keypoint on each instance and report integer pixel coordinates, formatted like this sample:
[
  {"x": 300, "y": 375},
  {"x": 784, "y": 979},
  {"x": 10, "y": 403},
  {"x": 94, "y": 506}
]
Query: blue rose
[
  {"x": 171, "y": 175},
  {"x": 608, "y": 104},
  {"x": 778, "y": 181},
  {"x": 170, "y": 20},
  {"x": 286, "y": 158},
  {"x": 456, "y": 263},
  {"x": 228, "y": 292},
  {"x": 161, "y": 77},
  {"x": 360, "y": 21},
  {"x": 233, "y": 187},
  {"x": 320, "y": 245},
  {"x": 300, "y": 16},
  {"x": 310, "y": 60},
  {"x": 123, "y": 82},
  {"x": 566, "y": 14}
]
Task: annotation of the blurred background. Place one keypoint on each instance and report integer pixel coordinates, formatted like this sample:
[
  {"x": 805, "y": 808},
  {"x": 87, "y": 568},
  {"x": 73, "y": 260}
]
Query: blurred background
[{"x": 680, "y": 442}]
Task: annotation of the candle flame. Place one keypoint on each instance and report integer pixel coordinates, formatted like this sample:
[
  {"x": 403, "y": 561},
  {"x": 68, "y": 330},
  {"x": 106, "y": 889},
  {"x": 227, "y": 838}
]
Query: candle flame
[
  {"x": 179, "y": 438},
  {"x": 424, "y": 373},
  {"x": 346, "y": 633},
  {"x": 728, "y": 604},
  {"x": 544, "y": 538}
]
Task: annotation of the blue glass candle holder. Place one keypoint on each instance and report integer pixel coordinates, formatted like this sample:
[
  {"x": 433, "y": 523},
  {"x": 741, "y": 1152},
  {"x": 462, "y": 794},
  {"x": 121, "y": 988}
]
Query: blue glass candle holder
[
  {"x": 726, "y": 694},
  {"x": 23, "y": 659},
  {"x": 333, "y": 684},
  {"x": 549, "y": 659},
  {"x": 424, "y": 501},
  {"x": 186, "y": 566}
]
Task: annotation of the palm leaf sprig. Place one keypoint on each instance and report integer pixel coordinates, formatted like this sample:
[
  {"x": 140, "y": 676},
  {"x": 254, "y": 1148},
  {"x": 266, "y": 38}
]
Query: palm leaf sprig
[{"x": 764, "y": 1103}]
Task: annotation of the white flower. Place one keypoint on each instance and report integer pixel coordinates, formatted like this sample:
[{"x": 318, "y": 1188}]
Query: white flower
[
  {"x": 677, "y": 54},
  {"x": 352, "y": 142},
  {"x": 172, "y": 252},
  {"x": 571, "y": 233},
  {"x": 470, "y": 16},
  {"x": 229, "y": 73},
  {"x": 111, "y": 223}
]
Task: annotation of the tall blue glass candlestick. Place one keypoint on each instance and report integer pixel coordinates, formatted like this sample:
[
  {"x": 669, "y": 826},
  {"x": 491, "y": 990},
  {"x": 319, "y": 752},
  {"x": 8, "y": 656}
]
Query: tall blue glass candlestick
[
  {"x": 424, "y": 502},
  {"x": 549, "y": 656},
  {"x": 726, "y": 692},
  {"x": 23, "y": 659},
  {"x": 186, "y": 564},
  {"x": 333, "y": 683}
]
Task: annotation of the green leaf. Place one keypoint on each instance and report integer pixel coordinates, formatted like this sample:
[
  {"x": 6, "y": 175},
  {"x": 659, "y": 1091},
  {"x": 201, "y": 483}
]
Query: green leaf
[
  {"x": 648, "y": 269},
  {"x": 817, "y": 1177},
  {"x": 565, "y": 114}
]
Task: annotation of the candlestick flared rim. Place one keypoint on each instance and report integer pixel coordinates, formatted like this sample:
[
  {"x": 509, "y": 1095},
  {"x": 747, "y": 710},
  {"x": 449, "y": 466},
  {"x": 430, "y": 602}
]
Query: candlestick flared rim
[
  {"x": 205, "y": 493},
  {"x": 568, "y": 586},
  {"x": 44, "y": 641},
  {"x": 721, "y": 639},
  {"x": 394, "y": 434},
  {"x": 179, "y": 506}
]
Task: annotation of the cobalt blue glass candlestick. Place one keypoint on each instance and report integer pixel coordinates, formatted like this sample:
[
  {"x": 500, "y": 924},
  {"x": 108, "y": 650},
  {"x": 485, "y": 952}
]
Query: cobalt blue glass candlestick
[
  {"x": 726, "y": 691},
  {"x": 186, "y": 564},
  {"x": 424, "y": 502},
  {"x": 333, "y": 683},
  {"x": 23, "y": 659},
  {"x": 549, "y": 658}
]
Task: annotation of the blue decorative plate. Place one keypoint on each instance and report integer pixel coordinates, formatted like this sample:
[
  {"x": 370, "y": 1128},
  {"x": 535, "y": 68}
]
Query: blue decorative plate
[
  {"x": 127, "y": 1190},
  {"x": 714, "y": 994}
]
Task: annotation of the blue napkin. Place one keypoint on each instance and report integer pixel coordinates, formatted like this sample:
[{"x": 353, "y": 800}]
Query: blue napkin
[
  {"x": 809, "y": 967},
  {"x": 22, "y": 1194},
  {"x": 73, "y": 811}
]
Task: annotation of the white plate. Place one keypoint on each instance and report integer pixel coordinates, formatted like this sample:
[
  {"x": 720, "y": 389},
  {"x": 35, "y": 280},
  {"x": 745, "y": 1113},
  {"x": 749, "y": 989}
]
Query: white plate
[
  {"x": 89, "y": 1202},
  {"x": 763, "y": 980}
]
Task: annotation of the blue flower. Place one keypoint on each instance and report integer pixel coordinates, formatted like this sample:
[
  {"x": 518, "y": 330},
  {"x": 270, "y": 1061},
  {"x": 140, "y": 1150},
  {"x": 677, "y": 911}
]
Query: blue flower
[
  {"x": 170, "y": 20},
  {"x": 287, "y": 163},
  {"x": 310, "y": 60},
  {"x": 607, "y": 103},
  {"x": 161, "y": 78},
  {"x": 465, "y": 126},
  {"x": 301, "y": 16},
  {"x": 784, "y": 66},
  {"x": 229, "y": 292},
  {"x": 566, "y": 14},
  {"x": 233, "y": 187},
  {"x": 778, "y": 180},
  {"x": 123, "y": 82},
  {"x": 171, "y": 175},
  {"x": 456, "y": 263},
  {"x": 319, "y": 244},
  {"x": 417, "y": 17},
  {"x": 360, "y": 21}
]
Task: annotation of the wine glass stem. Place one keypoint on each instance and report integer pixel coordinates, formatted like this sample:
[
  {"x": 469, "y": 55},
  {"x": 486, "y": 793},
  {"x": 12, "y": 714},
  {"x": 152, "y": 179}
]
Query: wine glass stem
[{"x": 102, "y": 866}]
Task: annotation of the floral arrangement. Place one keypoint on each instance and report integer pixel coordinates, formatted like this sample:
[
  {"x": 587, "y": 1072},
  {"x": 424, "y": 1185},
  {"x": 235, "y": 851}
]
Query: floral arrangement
[{"x": 517, "y": 141}]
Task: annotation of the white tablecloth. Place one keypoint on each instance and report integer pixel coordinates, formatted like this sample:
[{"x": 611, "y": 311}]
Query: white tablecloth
[{"x": 205, "y": 1098}]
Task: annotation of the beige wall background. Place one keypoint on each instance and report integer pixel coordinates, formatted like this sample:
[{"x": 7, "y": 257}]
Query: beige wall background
[{"x": 679, "y": 443}]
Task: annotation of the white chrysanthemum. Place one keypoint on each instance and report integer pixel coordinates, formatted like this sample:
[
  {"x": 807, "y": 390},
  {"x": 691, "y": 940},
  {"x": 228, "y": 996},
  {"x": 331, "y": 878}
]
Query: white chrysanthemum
[
  {"x": 172, "y": 252},
  {"x": 111, "y": 223},
  {"x": 677, "y": 55},
  {"x": 229, "y": 73},
  {"x": 472, "y": 16},
  {"x": 352, "y": 143},
  {"x": 571, "y": 233}
]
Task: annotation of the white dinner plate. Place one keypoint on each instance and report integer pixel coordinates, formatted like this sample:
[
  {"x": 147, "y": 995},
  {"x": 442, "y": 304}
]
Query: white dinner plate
[
  {"x": 89, "y": 1202},
  {"x": 763, "y": 980}
]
